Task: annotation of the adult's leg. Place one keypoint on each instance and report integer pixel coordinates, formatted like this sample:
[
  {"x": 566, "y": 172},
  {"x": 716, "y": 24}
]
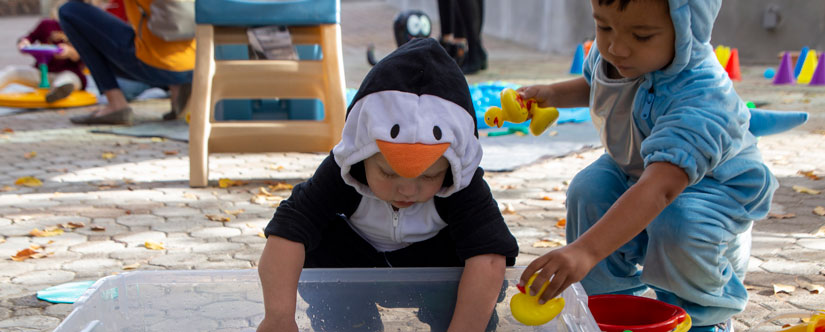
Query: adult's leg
[
  {"x": 591, "y": 193},
  {"x": 101, "y": 39},
  {"x": 472, "y": 15}
]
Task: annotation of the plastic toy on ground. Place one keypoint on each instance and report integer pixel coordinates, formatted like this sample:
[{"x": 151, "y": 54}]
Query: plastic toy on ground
[
  {"x": 816, "y": 323},
  {"x": 618, "y": 313},
  {"x": 784, "y": 75},
  {"x": 733, "y": 66},
  {"x": 818, "y": 78},
  {"x": 37, "y": 98},
  {"x": 803, "y": 54},
  {"x": 527, "y": 310},
  {"x": 808, "y": 68},
  {"x": 769, "y": 73},
  {"x": 517, "y": 110},
  {"x": 577, "y": 68}
]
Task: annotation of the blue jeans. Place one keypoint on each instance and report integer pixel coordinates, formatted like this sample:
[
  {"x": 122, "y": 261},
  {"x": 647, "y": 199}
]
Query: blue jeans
[
  {"x": 107, "y": 47},
  {"x": 695, "y": 253}
]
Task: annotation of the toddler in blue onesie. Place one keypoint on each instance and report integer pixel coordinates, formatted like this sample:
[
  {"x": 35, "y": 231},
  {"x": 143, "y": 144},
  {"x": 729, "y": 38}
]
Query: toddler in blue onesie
[{"x": 681, "y": 180}]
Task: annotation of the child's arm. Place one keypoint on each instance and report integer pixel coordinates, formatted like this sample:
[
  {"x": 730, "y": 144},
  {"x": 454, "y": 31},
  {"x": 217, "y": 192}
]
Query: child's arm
[
  {"x": 477, "y": 292},
  {"x": 570, "y": 93},
  {"x": 659, "y": 185},
  {"x": 279, "y": 270}
]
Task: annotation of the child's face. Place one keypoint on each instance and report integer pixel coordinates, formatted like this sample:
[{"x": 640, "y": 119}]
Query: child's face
[
  {"x": 637, "y": 40},
  {"x": 403, "y": 192}
]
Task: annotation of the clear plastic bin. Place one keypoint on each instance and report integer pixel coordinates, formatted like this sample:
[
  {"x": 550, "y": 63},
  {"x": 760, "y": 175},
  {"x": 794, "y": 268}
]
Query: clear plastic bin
[{"x": 231, "y": 300}]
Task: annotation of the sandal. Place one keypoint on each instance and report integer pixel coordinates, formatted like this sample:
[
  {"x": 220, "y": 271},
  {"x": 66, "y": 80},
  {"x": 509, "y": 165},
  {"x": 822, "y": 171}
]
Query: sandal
[{"x": 122, "y": 116}]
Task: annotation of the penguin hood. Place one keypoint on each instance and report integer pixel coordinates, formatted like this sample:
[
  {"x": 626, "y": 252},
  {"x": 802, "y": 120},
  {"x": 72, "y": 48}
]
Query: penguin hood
[{"x": 414, "y": 107}]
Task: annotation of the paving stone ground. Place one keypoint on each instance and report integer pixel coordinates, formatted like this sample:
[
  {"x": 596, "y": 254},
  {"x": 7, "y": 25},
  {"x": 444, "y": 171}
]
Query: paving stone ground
[{"x": 143, "y": 194}]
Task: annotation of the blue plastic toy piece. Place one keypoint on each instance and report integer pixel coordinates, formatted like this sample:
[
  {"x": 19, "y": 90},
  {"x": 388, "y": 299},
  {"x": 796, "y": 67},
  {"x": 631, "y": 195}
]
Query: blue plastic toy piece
[
  {"x": 800, "y": 61},
  {"x": 65, "y": 293},
  {"x": 577, "y": 67},
  {"x": 769, "y": 73},
  {"x": 767, "y": 122}
]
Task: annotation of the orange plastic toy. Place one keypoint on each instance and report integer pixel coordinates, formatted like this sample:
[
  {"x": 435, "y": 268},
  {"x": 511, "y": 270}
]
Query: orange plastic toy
[{"x": 516, "y": 110}]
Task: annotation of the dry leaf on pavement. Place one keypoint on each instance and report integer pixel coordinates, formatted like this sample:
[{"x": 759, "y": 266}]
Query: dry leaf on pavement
[
  {"x": 71, "y": 225},
  {"x": 2, "y": 240},
  {"x": 97, "y": 228},
  {"x": 45, "y": 233},
  {"x": 170, "y": 152},
  {"x": 813, "y": 288},
  {"x": 546, "y": 198},
  {"x": 131, "y": 266},
  {"x": 157, "y": 139},
  {"x": 781, "y": 216},
  {"x": 819, "y": 211},
  {"x": 226, "y": 183},
  {"x": 810, "y": 175},
  {"x": 561, "y": 223},
  {"x": 508, "y": 209},
  {"x": 805, "y": 190},
  {"x": 107, "y": 155},
  {"x": 153, "y": 245},
  {"x": 34, "y": 251},
  {"x": 233, "y": 213},
  {"x": 7, "y": 188},
  {"x": 546, "y": 243},
  {"x": 278, "y": 186},
  {"x": 28, "y": 181},
  {"x": 30, "y": 155},
  {"x": 261, "y": 234},
  {"x": 276, "y": 167},
  {"x": 780, "y": 288},
  {"x": 217, "y": 217}
]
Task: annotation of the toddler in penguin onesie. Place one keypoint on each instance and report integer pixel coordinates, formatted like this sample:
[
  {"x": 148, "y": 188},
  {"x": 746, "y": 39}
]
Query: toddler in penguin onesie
[{"x": 403, "y": 188}]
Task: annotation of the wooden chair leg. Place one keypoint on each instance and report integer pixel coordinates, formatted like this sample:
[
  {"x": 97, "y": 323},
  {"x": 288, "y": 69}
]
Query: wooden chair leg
[
  {"x": 200, "y": 107},
  {"x": 336, "y": 103}
]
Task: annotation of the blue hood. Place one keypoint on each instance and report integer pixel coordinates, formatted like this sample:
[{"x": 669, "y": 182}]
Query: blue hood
[{"x": 693, "y": 22}]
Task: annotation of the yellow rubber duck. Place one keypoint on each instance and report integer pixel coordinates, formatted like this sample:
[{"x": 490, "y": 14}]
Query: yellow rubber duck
[
  {"x": 527, "y": 310},
  {"x": 514, "y": 109}
]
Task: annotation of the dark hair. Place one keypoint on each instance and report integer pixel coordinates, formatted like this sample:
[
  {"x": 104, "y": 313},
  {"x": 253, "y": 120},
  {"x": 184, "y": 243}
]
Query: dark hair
[{"x": 622, "y": 3}]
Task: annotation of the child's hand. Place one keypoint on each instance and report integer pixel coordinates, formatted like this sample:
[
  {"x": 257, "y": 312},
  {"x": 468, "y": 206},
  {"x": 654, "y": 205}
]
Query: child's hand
[
  {"x": 67, "y": 52},
  {"x": 23, "y": 43},
  {"x": 543, "y": 94},
  {"x": 566, "y": 265},
  {"x": 277, "y": 325}
]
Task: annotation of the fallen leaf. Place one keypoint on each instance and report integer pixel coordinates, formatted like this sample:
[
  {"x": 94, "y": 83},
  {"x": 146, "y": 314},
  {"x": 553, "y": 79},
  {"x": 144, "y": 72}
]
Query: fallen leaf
[
  {"x": 508, "y": 187},
  {"x": 2, "y": 240},
  {"x": 157, "y": 139},
  {"x": 7, "y": 188},
  {"x": 809, "y": 174},
  {"x": 820, "y": 232},
  {"x": 552, "y": 133},
  {"x": 107, "y": 155},
  {"x": 280, "y": 186},
  {"x": 35, "y": 246},
  {"x": 546, "y": 243},
  {"x": 128, "y": 181},
  {"x": 28, "y": 181},
  {"x": 97, "y": 228},
  {"x": 216, "y": 217},
  {"x": 23, "y": 255},
  {"x": 261, "y": 234},
  {"x": 805, "y": 190},
  {"x": 30, "y": 155},
  {"x": 508, "y": 209},
  {"x": 131, "y": 266},
  {"x": 819, "y": 211},
  {"x": 561, "y": 223},
  {"x": 781, "y": 216},
  {"x": 276, "y": 167},
  {"x": 8, "y": 130},
  {"x": 234, "y": 213},
  {"x": 270, "y": 200},
  {"x": 45, "y": 233},
  {"x": 190, "y": 196},
  {"x": 813, "y": 288},
  {"x": 780, "y": 288},
  {"x": 152, "y": 245},
  {"x": 170, "y": 152},
  {"x": 50, "y": 242},
  {"x": 546, "y": 198},
  {"x": 750, "y": 287},
  {"x": 226, "y": 183},
  {"x": 74, "y": 225}
]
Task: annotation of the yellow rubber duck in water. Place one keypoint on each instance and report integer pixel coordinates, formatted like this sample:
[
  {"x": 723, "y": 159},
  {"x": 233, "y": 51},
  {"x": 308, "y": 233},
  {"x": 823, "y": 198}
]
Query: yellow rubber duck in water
[
  {"x": 527, "y": 310},
  {"x": 516, "y": 110}
]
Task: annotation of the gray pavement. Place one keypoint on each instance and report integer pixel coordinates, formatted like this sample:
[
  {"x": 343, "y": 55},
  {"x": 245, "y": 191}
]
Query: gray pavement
[{"x": 142, "y": 193}]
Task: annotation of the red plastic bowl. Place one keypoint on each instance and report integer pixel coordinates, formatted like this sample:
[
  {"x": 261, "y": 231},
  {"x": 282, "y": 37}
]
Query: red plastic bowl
[{"x": 617, "y": 313}]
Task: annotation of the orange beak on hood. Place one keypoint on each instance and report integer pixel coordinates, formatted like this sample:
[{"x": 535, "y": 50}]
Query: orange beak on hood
[{"x": 411, "y": 159}]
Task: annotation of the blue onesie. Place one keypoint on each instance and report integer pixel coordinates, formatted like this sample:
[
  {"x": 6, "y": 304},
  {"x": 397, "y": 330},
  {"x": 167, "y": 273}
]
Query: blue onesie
[{"x": 695, "y": 253}]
